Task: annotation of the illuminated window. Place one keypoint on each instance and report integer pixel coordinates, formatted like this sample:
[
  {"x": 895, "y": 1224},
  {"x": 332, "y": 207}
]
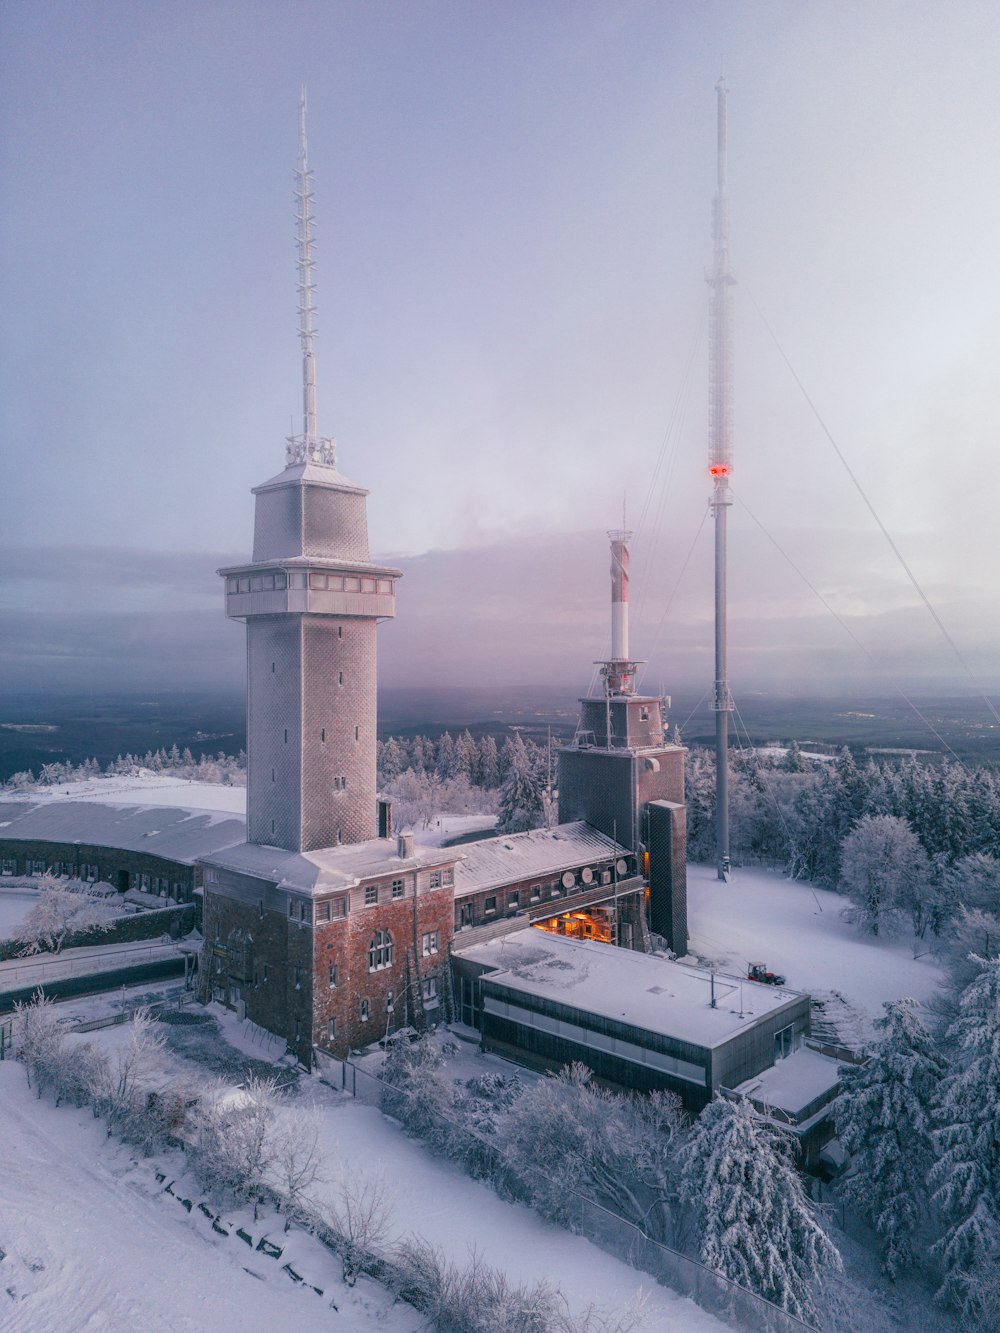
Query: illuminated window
[{"x": 380, "y": 951}]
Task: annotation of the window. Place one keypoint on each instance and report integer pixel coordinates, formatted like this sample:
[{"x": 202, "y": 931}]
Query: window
[
  {"x": 385, "y": 585},
  {"x": 490, "y": 905},
  {"x": 430, "y": 943},
  {"x": 371, "y": 895},
  {"x": 513, "y": 902},
  {"x": 264, "y": 974},
  {"x": 643, "y": 714},
  {"x": 286, "y": 735},
  {"x": 448, "y": 876},
  {"x": 280, "y": 582},
  {"x": 298, "y": 977},
  {"x": 331, "y": 1030},
  {"x": 305, "y": 912},
  {"x": 323, "y": 911},
  {"x": 339, "y": 784},
  {"x": 367, "y": 585},
  {"x": 536, "y": 892},
  {"x": 784, "y": 1042},
  {"x": 364, "y": 1010},
  {"x": 322, "y": 735},
  {"x": 398, "y": 888},
  {"x": 435, "y": 880},
  {"x": 380, "y": 951},
  {"x": 291, "y": 908},
  {"x": 317, "y": 582},
  {"x": 352, "y": 584},
  {"x": 333, "y": 976},
  {"x": 339, "y": 907},
  {"x": 429, "y": 988}
]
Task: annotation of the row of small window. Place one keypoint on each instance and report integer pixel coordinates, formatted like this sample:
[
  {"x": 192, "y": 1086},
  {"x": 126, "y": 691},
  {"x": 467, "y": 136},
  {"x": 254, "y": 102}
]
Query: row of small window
[
  {"x": 316, "y": 582},
  {"x": 348, "y": 583},
  {"x": 301, "y": 909}
]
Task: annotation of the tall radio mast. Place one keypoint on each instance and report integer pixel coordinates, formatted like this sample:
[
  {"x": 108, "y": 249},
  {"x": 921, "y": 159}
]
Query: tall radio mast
[
  {"x": 720, "y": 419},
  {"x": 308, "y": 447}
]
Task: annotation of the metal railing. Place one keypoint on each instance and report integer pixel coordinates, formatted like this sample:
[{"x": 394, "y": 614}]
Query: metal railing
[{"x": 20, "y": 973}]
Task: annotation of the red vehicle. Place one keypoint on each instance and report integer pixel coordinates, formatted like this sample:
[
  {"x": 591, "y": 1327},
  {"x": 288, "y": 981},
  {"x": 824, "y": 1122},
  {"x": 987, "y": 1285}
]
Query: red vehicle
[{"x": 758, "y": 972}]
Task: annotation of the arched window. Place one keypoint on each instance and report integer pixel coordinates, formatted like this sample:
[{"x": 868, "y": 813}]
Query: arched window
[{"x": 380, "y": 951}]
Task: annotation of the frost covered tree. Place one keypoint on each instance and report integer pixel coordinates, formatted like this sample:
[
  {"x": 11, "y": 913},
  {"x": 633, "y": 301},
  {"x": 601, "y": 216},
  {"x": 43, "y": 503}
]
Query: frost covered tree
[
  {"x": 885, "y": 1118},
  {"x": 754, "y": 1223},
  {"x": 966, "y": 1177},
  {"x": 521, "y": 802},
  {"x": 390, "y": 761},
  {"x": 59, "y": 911},
  {"x": 620, "y": 1151},
  {"x": 881, "y": 862},
  {"x": 297, "y": 1161},
  {"x": 357, "y": 1213},
  {"x": 235, "y": 1141},
  {"x": 488, "y": 767}
]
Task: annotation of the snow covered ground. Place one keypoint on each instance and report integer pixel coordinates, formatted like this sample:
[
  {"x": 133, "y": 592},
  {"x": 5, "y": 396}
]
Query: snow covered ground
[
  {"x": 798, "y": 931},
  {"x": 145, "y": 788},
  {"x": 15, "y": 904},
  {"x": 93, "y": 1243}
]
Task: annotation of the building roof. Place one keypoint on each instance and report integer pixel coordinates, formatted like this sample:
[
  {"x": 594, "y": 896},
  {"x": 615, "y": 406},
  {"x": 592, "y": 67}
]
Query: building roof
[
  {"x": 794, "y": 1083},
  {"x": 176, "y": 833},
  {"x": 540, "y": 853},
  {"x": 329, "y": 868},
  {"x": 645, "y": 991}
]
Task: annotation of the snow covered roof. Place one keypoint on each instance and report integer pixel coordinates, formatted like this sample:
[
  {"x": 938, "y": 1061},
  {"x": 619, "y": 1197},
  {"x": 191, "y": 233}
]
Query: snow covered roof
[
  {"x": 795, "y": 1082},
  {"x": 329, "y": 868},
  {"x": 179, "y": 834},
  {"x": 668, "y": 998},
  {"x": 540, "y": 852},
  {"x": 315, "y": 474}
]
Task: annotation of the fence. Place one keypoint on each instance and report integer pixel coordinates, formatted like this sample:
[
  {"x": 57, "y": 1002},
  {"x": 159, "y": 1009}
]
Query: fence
[{"x": 733, "y": 1304}]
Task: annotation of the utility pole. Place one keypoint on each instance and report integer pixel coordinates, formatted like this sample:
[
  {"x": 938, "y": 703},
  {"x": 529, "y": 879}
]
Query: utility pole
[{"x": 720, "y": 425}]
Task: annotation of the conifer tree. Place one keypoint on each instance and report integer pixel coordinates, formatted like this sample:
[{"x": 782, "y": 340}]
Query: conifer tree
[
  {"x": 966, "y": 1176},
  {"x": 755, "y": 1225},
  {"x": 884, "y": 1118},
  {"x": 522, "y": 804}
]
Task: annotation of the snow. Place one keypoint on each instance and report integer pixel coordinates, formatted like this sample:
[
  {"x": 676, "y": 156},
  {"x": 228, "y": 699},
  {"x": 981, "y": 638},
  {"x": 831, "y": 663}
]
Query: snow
[
  {"x": 145, "y": 788},
  {"x": 94, "y": 1244},
  {"x": 797, "y": 930},
  {"x": 15, "y": 904},
  {"x": 792, "y": 1083}
]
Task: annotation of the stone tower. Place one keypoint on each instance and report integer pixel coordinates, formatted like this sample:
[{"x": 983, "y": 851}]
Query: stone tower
[{"x": 311, "y": 599}]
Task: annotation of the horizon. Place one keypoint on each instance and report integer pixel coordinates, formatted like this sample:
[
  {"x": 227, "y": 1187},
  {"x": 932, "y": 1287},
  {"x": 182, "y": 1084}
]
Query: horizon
[{"x": 513, "y": 219}]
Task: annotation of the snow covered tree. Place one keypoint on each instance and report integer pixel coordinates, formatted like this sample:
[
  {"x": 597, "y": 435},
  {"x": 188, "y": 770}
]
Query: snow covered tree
[
  {"x": 884, "y": 1117},
  {"x": 521, "y": 804},
  {"x": 620, "y": 1151},
  {"x": 488, "y": 767},
  {"x": 297, "y": 1159},
  {"x": 59, "y": 911},
  {"x": 357, "y": 1213},
  {"x": 446, "y": 761},
  {"x": 966, "y": 1177},
  {"x": 390, "y": 761},
  {"x": 235, "y": 1141},
  {"x": 467, "y": 757},
  {"x": 881, "y": 862},
  {"x": 755, "y": 1225}
]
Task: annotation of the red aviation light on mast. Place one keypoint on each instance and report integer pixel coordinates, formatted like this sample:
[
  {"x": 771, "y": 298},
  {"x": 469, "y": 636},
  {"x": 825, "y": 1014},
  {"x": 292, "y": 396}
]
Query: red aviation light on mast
[{"x": 719, "y": 470}]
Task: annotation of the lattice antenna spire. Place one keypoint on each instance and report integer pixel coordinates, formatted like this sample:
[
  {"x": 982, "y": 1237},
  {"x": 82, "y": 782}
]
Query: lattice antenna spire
[
  {"x": 308, "y": 447},
  {"x": 720, "y": 461}
]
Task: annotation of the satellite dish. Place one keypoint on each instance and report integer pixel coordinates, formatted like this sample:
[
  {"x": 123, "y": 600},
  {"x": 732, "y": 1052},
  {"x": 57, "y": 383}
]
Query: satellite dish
[
  {"x": 620, "y": 865},
  {"x": 586, "y": 874},
  {"x": 568, "y": 880}
]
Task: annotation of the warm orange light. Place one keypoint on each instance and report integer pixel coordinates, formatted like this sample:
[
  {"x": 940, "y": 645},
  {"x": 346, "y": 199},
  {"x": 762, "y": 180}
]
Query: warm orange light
[{"x": 719, "y": 470}]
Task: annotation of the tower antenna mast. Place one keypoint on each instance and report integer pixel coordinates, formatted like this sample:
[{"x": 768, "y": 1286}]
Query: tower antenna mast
[
  {"x": 720, "y": 376},
  {"x": 307, "y": 447}
]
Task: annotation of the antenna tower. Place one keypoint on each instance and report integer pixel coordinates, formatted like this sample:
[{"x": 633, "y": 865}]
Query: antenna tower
[
  {"x": 720, "y": 419},
  {"x": 308, "y": 447}
]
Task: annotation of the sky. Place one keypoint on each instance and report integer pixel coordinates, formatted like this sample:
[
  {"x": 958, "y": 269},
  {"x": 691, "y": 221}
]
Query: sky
[{"x": 513, "y": 209}]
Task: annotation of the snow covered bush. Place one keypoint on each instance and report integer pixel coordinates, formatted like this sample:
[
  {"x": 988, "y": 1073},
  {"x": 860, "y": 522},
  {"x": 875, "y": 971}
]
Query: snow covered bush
[
  {"x": 884, "y": 1118},
  {"x": 234, "y": 1147},
  {"x": 59, "y": 911},
  {"x": 966, "y": 1177},
  {"x": 753, "y": 1221},
  {"x": 354, "y": 1216}
]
